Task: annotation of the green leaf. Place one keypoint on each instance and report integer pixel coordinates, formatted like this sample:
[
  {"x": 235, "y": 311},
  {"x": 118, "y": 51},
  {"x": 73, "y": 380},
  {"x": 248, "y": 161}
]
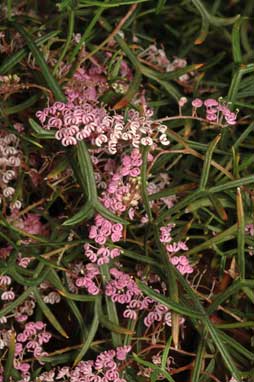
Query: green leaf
[
  {"x": 226, "y": 235},
  {"x": 13, "y": 60},
  {"x": 109, "y": 215},
  {"x": 112, "y": 4},
  {"x": 91, "y": 334},
  {"x": 172, "y": 191},
  {"x": 26, "y": 281},
  {"x": 209, "y": 370},
  {"x": 236, "y": 41},
  {"x": 171, "y": 89},
  {"x": 71, "y": 16},
  {"x": 131, "y": 56},
  {"x": 236, "y": 81},
  {"x": 244, "y": 135},
  {"x": 9, "y": 110},
  {"x": 111, "y": 306},
  {"x": 160, "y": 6},
  {"x": 156, "y": 369},
  {"x": 10, "y": 307},
  {"x": 112, "y": 327},
  {"x": 199, "y": 360},
  {"x": 176, "y": 307},
  {"x": 229, "y": 363},
  {"x": 165, "y": 353},
  {"x": 84, "y": 214},
  {"x": 48, "y": 76},
  {"x": 70, "y": 299},
  {"x": 180, "y": 205},
  {"x": 232, "y": 184},
  {"x": 145, "y": 152},
  {"x": 48, "y": 314},
  {"x": 140, "y": 258},
  {"x": 240, "y": 234},
  {"x": 8, "y": 367},
  {"x": 236, "y": 345},
  {"x": 207, "y": 162},
  {"x": 218, "y": 300},
  {"x": 213, "y": 20},
  {"x": 86, "y": 171},
  {"x": 42, "y": 133}
]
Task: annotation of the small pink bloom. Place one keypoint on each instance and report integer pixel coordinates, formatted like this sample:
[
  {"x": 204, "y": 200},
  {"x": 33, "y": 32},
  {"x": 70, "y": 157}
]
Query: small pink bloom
[
  {"x": 115, "y": 252},
  {"x": 39, "y": 325},
  {"x": 18, "y": 348},
  {"x": 211, "y": 117},
  {"x": 210, "y": 102},
  {"x": 135, "y": 172},
  {"x": 116, "y": 236},
  {"x": 100, "y": 239},
  {"x": 21, "y": 317},
  {"x": 22, "y": 337},
  {"x": 117, "y": 227},
  {"x": 197, "y": 103},
  {"x": 93, "y": 289},
  {"x": 5, "y": 280},
  {"x": 174, "y": 260},
  {"x": 8, "y": 295},
  {"x": 23, "y": 367}
]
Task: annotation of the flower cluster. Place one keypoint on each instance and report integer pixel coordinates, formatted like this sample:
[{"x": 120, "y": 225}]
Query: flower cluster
[
  {"x": 123, "y": 190},
  {"x": 102, "y": 255},
  {"x": 94, "y": 124},
  {"x": 156, "y": 360},
  {"x": 172, "y": 247},
  {"x": 7, "y": 294},
  {"x": 87, "y": 85},
  {"x": 28, "y": 342},
  {"x": 104, "y": 368},
  {"x": 154, "y": 187},
  {"x": 215, "y": 111},
  {"x": 9, "y": 84},
  {"x": 249, "y": 229},
  {"x": 103, "y": 229},
  {"x": 9, "y": 164},
  {"x": 84, "y": 276},
  {"x": 157, "y": 56},
  {"x": 49, "y": 294},
  {"x": 124, "y": 290},
  {"x": 84, "y": 118}
]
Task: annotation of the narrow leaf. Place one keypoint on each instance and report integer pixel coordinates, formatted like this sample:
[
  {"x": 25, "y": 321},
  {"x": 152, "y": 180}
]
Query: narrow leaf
[
  {"x": 48, "y": 314},
  {"x": 48, "y": 76}
]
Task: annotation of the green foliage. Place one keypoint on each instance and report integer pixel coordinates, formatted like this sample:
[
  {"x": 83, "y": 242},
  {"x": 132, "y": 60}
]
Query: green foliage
[{"x": 210, "y": 169}]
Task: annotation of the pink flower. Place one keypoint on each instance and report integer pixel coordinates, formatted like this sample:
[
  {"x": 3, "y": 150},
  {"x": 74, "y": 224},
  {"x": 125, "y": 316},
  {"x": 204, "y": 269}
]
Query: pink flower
[
  {"x": 8, "y": 295},
  {"x": 5, "y": 280},
  {"x": 210, "y": 102},
  {"x": 92, "y": 232},
  {"x": 100, "y": 239},
  {"x": 122, "y": 351},
  {"x": 135, "y": 172},
  {"x": 23, "y": 367},
  {"x": 116, "y": 236},
  {"x": 115, "y": 252},
  {"x": 131, "y": 314},
  {"x": 211, "y": 117},
  {"x": 197, "y": 103}
]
